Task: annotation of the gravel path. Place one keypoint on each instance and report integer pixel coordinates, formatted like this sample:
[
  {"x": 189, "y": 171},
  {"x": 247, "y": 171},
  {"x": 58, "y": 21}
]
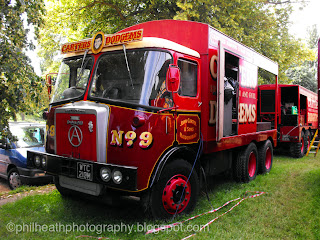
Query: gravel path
[{"x": 7, "y": 197}]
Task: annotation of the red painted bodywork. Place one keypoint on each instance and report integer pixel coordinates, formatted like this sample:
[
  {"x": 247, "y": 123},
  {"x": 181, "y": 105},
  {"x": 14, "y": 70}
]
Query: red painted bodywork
[
  {"x": 64, "y": 148},
  {"x": 144, "y": 159},
  {"x": 195, "y": 117},
  {"x": 307, "y": 117},
  {"x": 204, "y": 39}
]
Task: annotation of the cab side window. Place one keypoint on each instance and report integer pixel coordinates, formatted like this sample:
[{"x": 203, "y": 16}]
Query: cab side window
[{"x": 188, "y": 76}]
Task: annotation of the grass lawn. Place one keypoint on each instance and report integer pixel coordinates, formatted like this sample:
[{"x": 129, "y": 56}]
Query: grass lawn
[{"x": 289, "y": 210}]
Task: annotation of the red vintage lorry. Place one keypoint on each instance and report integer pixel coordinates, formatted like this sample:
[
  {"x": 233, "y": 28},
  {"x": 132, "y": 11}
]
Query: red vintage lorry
[
  {"x": 297, "y": 115},
  {"x": 152, "y": 110}
]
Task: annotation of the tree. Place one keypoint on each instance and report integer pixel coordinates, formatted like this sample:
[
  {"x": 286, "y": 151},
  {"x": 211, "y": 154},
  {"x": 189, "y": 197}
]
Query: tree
[
  {"x": 20, "y": 87},
  {"x": 305, "y": 73},
  {"x": 260, "y": 24}
]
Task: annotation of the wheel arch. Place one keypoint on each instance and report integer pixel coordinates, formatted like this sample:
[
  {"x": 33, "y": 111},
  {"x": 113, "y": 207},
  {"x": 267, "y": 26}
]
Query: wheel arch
[
  {"x": 182, "y": 152},
  {"x": 11, "y": 166}
]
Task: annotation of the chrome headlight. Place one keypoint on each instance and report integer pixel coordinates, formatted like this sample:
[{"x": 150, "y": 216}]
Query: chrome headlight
[
  {"x": 37, "y": 161},
  {"x": 117, "y": 177},
  {"x": 105, "y": 174}
]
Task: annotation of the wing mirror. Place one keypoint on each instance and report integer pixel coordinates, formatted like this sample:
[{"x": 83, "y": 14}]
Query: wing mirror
[{"x": 173, "y": 78}]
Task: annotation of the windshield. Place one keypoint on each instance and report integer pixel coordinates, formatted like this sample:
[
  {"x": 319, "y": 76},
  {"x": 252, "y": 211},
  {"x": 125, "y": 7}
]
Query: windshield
[
  {"x": 72, "y": 80},
  {"x": 28, "y": 136},
  {"x": 137, "y": 77}
]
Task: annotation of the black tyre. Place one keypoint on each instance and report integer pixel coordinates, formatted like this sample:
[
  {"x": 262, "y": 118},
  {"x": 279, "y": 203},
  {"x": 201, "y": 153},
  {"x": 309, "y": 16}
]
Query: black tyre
[
  {"x": 297, "y": 149},
  {"x": 169, "y": 193},
  {"x": 14, "y": 180},
  {"x": 265, "y": 160},
  {"x": 246, "y": 164}
]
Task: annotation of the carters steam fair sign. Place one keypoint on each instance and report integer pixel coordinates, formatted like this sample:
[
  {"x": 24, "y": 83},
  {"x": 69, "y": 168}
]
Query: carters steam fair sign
[{"x": 99, "y": 41}]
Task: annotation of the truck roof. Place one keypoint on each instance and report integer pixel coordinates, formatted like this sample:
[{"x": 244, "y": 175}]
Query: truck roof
[
  {"x": 147, "y": 42},
  {"x": 303, "y": 90},
  {"x": 201, "y": 37},
  {"x": 193, "y": 38}
]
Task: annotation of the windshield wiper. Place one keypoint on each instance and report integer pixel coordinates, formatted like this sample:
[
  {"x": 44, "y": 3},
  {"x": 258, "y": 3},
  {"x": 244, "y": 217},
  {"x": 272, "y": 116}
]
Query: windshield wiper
[
  {"x": 125, "y": 55},
  {"x": 82, "y": 67}
]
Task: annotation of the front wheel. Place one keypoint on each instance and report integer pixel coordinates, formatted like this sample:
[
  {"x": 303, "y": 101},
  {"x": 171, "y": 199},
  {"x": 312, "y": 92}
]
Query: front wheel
[
  {"x": 173, "y": 193},
  {"x": 14, "y": 180}
]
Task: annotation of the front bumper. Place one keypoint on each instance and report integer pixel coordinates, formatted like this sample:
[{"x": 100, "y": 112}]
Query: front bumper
[
  {"x": 34, "y": 176},
  {"x": 68, "y": 167}
]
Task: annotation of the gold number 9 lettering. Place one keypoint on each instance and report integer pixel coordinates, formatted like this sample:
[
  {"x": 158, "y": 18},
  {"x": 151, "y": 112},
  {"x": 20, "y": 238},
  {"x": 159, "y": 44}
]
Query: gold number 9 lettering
[{"x": 146, "y": 139}]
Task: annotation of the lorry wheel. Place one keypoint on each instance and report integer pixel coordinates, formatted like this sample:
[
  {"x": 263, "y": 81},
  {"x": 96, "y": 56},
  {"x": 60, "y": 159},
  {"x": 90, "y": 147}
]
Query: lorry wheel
[
  {"x": 14, "y": 180},
  {"x": 245, "y": 168},
  {"x": 297, "y": 149},
  {"x": 265, "y": 153},
  {"x": 169, "y": 196}
]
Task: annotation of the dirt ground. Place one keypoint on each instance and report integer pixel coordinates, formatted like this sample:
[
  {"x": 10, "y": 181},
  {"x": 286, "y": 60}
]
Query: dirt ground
[
  {"x": 4, "y": 187},
  {"x": 7, "y": 197}
]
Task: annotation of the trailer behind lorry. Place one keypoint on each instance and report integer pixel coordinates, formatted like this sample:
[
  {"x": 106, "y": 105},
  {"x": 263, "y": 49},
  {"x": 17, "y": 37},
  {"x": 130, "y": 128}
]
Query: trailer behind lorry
[
  {"x": 297, "y": 115},
  {"x": 152, "y": 104}
]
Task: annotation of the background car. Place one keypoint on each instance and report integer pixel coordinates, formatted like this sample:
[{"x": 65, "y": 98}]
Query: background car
[{"x": 13, "y": 154}]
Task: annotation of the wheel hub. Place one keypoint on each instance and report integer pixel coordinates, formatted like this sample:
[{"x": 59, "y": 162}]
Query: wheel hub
[
  {"x": 302, "y": 146},
  {"x": 15, "y": 180},
  {"x": 268, "y": 158},
  {"x": 252, "y": 164},
  {"x": 176, "y": 194}
]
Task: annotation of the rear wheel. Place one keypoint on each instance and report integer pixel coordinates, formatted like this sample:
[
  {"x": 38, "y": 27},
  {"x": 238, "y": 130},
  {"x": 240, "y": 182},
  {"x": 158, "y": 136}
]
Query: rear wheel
[
  {"x": 245, "y": 168},
  {"x": 265, "y": 157},
  {"x": 297, "y": 149},
  {"x": 173, "y": 193},
  {"x": 14, "y": 180}
]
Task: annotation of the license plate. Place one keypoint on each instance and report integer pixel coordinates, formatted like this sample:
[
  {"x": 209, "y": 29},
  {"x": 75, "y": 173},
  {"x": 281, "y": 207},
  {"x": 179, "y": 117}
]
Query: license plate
[{"x": 84, "y": 171}]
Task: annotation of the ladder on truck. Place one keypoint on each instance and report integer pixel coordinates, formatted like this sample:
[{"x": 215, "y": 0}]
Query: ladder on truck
[{"x": 314, "y": 148}]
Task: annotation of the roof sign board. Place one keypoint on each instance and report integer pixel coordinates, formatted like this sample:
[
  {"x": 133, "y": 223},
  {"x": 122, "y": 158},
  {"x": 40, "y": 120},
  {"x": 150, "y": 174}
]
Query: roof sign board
[{"x": 99, "y": 41}]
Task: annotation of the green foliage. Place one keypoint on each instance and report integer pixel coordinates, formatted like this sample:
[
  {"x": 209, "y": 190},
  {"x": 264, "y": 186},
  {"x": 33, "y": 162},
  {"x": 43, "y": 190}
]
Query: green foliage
[
  {"x": 20, "y": 88},
  {"x": 260, "y": 24},
  {"x": 305, "y": 73},
  {"x": 68, "y": 21}
]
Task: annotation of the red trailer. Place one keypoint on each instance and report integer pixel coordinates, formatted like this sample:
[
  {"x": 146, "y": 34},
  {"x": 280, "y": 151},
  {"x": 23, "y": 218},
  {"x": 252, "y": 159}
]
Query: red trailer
[
  {"x": 297, "y": 115},
  {"x": 152, "y": 110}
]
